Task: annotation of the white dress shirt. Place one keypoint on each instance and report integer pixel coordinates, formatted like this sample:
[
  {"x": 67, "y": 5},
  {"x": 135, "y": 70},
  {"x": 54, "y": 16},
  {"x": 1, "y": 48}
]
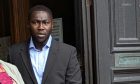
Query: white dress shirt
[{"x": 39, "y": 58}]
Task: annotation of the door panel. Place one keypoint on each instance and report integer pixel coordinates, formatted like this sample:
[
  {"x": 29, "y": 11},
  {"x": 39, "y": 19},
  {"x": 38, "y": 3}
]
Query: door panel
[
  {"x": 124, "y": 25},
  {"x": 18, "y": 20},
  {"x": 117, "y": 34}
]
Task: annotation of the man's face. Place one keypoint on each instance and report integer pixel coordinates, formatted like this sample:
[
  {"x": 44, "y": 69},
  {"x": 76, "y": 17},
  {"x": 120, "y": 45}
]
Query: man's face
[{"x": 40, "y": 25}]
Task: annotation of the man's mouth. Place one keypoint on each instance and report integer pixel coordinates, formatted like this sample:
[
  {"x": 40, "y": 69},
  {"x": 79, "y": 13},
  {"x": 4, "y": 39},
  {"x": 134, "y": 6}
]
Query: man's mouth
[{"x": 40, "y": 35}]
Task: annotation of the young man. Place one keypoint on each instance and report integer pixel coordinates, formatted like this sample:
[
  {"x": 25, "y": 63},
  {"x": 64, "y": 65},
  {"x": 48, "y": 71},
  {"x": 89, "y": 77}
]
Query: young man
[{"x": 42, "y": 60}]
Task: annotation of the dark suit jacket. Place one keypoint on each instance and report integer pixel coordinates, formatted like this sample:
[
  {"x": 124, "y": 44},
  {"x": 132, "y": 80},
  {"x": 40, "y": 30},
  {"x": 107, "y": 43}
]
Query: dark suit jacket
[{"x": 62, "y": 66}]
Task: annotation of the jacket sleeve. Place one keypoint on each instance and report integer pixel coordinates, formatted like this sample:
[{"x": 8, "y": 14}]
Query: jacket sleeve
[{"x": 73, "y": 73}]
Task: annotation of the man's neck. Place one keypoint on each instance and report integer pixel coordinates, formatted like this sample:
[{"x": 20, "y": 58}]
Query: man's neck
[{"x": 39, "y": 45}]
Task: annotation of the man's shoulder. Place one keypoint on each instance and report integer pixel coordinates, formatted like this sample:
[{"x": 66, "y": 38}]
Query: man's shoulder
[
  {"x": 66, "y": 45},
  {"x": 63, "y": 45},
  {"x": 18, "y": 45}
]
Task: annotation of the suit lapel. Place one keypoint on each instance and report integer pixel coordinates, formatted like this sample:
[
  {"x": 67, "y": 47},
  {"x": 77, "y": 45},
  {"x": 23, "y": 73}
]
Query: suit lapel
[
  {"x": 51, "y": 60},
  {"x": 26, "y": 59}
]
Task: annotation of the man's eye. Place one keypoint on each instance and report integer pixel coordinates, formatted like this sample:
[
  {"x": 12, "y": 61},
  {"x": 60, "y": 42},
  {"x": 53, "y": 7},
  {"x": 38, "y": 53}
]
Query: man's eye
[
  {"x": 46, "y": 22},
  {"x": 34, "y": 22}
]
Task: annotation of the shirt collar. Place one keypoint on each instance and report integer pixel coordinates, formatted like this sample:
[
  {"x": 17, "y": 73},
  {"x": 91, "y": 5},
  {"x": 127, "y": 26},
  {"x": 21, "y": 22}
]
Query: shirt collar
[{"x": 48, "y": 44}]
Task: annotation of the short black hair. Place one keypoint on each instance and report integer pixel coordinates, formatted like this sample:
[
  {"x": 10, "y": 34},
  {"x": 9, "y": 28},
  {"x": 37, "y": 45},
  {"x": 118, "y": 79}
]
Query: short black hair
[{"x": 40, "y": 8}]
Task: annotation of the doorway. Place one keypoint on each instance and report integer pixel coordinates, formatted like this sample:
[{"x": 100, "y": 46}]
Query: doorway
[{"x": 75, "y": 21}]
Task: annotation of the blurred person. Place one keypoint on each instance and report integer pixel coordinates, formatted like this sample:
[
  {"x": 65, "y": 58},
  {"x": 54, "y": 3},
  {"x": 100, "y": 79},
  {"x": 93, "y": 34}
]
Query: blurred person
[{"x": 9, "y": 74}]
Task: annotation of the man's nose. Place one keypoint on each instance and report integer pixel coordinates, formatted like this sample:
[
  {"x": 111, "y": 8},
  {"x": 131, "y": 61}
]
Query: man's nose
[{"x": 40, "y": 26}]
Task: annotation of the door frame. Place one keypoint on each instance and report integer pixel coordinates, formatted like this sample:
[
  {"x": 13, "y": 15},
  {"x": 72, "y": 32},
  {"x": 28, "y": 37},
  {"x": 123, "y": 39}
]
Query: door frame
[{"x": 87, "y": 38}]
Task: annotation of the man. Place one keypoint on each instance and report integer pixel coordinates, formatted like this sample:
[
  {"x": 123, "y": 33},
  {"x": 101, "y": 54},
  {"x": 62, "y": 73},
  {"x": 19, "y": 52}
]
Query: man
[{"x": 42, "y": 60}]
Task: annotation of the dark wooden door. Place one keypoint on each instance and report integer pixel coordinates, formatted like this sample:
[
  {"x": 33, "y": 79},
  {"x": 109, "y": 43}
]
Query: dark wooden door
[
  {"x": 117, "y": 34},
  {"x": 18, "y": 20}
]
